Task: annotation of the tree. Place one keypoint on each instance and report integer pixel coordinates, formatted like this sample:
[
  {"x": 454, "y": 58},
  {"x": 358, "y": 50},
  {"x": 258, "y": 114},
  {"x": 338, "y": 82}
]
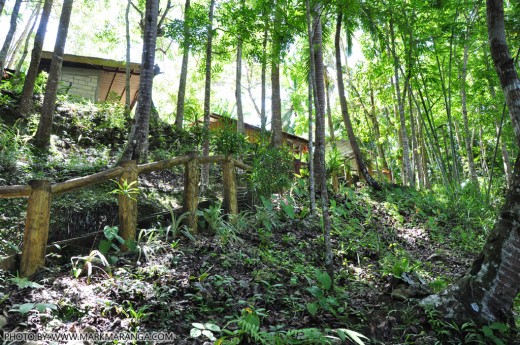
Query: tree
[
  {"x": 316, "y": 58},
  {"x": 276, "y": 101},
  {"x": 26, "y": 102},
  {"x": 207, "y": 91},
  {"x": 179, "y": 116},
  {"x": 9, "y": 37},
  {"x": 137, "y": 145},
  {"x": 238, "y": 79},
  {"x": 486, "y": 293},
  {"x": 24, "y": 37},
  {"x": 42, "y": 138},
  {"x": 127, "y": 67},
  {"x": 2, "y": 3},
  {"x": 344, "y": 109}
]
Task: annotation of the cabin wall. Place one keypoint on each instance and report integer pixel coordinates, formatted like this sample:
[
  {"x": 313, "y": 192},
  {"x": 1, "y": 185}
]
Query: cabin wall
[{"x": 79, "y": 82}]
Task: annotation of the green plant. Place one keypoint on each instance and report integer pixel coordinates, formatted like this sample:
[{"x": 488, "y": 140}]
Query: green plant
[
  {"x": 138, "y": 315},
  {"x": 80, "y": 264},
  {"x": 205, "y": 329},
  {"x": 226, "y": 140},
  {"x": 176, "y": 225},
  {"x": 272, "y": 169},
  {"x": 321, "y": 293},
  {"x": 126, "y": 189},
  {"x": 27, "y": 307},
  {"x": 23, "y": 282},
  {"x": 266, "y": 215}
]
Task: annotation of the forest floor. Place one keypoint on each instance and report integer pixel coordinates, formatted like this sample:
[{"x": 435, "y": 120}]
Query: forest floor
[{"x": 258, "y": 280}]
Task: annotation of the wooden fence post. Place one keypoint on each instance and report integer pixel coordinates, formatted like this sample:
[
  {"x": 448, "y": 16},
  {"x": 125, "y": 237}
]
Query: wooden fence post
[
  {"x": 36, "y": 227},
  {"x": 191, "y": 190},
  {"x": 127, "y": 205},
  {"x": 230, "y": 187}
]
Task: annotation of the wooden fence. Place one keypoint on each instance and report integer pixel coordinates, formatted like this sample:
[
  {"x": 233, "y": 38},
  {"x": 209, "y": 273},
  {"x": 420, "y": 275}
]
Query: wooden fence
[{"x": 40, "y": 194}]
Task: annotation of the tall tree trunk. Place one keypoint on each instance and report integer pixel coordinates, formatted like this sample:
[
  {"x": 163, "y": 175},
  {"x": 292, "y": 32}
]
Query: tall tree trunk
[
  {"x": 263, "y": 115},
  {"x": 415, "y": 141},
  {"x": 43, "y": 134},
  {"x": 483, "y": 155},
  {"x": 137, "y": 146},
  {"x": 128, "y": 59},
  {"x": 26, "y": 102},
  {"x": 207, "y": 93},
  {"x": 9, "y": 37},
  {"x": 467, "y": 136},
  {"x": 27, "y": 41},
  {"x": 344, "y": 109},
  {"x": 276, "y": 102},
  {"x": 407, "y": 167},
  {"x": 24, "y": 36},
  {"x": 486, "y": 293},
  {"x": 377, "y": 131},
  {"x": 181, "y": 95},
  {"x": 316, "y": 50},
  {"x": 328, "y": 89},
  {"x": 312, "y": 179},
  {"x": 238, "y": 87}
]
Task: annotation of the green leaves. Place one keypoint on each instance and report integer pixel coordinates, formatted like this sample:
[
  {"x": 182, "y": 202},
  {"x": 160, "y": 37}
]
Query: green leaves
[
  {"x": 27, "y": 307},
  {"x": 205, "y": 329}
]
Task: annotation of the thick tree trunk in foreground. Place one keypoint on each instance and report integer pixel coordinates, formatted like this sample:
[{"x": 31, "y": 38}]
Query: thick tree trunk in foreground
[
  {"x": 42, "y": 138},
  {"x": 137, "y": 146},
  {"x": 26, "y": 102},
  {"x": 344, "y": 110},
  {"x": 487, "y": 292},
  {"x": 9, "y": 37},
  {"x": 179, "y": 117}
]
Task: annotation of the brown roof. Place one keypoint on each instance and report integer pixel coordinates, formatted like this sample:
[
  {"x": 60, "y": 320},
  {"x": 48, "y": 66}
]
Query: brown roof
[{"x": 94, "y": 62}]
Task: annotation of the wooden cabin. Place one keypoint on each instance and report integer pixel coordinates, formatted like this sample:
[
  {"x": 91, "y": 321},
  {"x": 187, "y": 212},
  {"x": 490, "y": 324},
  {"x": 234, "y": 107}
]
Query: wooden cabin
[
  {"x": 95, "y": 79},
  {"x": 298, "y": 144}
]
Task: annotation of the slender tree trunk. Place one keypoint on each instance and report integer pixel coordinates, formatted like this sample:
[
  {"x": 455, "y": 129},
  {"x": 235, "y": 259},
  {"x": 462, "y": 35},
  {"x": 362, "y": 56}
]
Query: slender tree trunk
[
  {"x": 263, "y": 115},
  {"x": 207, "y": 93},
  {"x": 467, "y": 137},
  {"x": 312, "y": 179},
  {"x": 377, "y": 131},
  {"x": 407, "y": 167},
  {"x": 128, "y": 59},
  {"x": 24, "y": 37},
  {"x": 26, "y": 101},
  {"x": 329, "y": 112},
  {"x": 238, "y": 87},
  {"x": 9, "y": 37},
  {"x": 27, "y": 41},
  {"x": 317, "y": 49},
  {"x": 276, "y": 102},
  {"x": 508, "y": 172},
  {"x": 486, "y": 293},
  {"x": 483, "y": 155},
  {"x": 2, "y": 4},
  {"x": 137, "y": 146},
  {"x": 181, "y": 96},
  {"x": 344, "y": 110},
  {"x": 43, "y": 134}
]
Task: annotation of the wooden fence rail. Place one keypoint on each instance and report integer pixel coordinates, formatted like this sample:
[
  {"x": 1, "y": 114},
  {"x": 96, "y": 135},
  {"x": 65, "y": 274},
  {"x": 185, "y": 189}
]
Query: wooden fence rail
[{"x": 40, "y": 193}]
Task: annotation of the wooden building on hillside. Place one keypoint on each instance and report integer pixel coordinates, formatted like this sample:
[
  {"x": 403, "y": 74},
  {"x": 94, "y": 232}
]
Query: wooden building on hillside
[{"x": 95, "y": 79}]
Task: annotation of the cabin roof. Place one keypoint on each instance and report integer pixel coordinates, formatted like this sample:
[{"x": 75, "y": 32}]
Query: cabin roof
[
  {"x": 215, "y": 118},
  {"x": 94, "y": 62}
]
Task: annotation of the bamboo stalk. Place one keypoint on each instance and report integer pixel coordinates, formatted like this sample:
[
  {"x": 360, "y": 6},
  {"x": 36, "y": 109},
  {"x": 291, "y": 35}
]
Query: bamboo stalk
[
  {"x": 89, "y": 180},
  {"x": 161, "y": 165},
  {"x": 18, "y": 191},
  {"x": 36, "y": 227}
]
